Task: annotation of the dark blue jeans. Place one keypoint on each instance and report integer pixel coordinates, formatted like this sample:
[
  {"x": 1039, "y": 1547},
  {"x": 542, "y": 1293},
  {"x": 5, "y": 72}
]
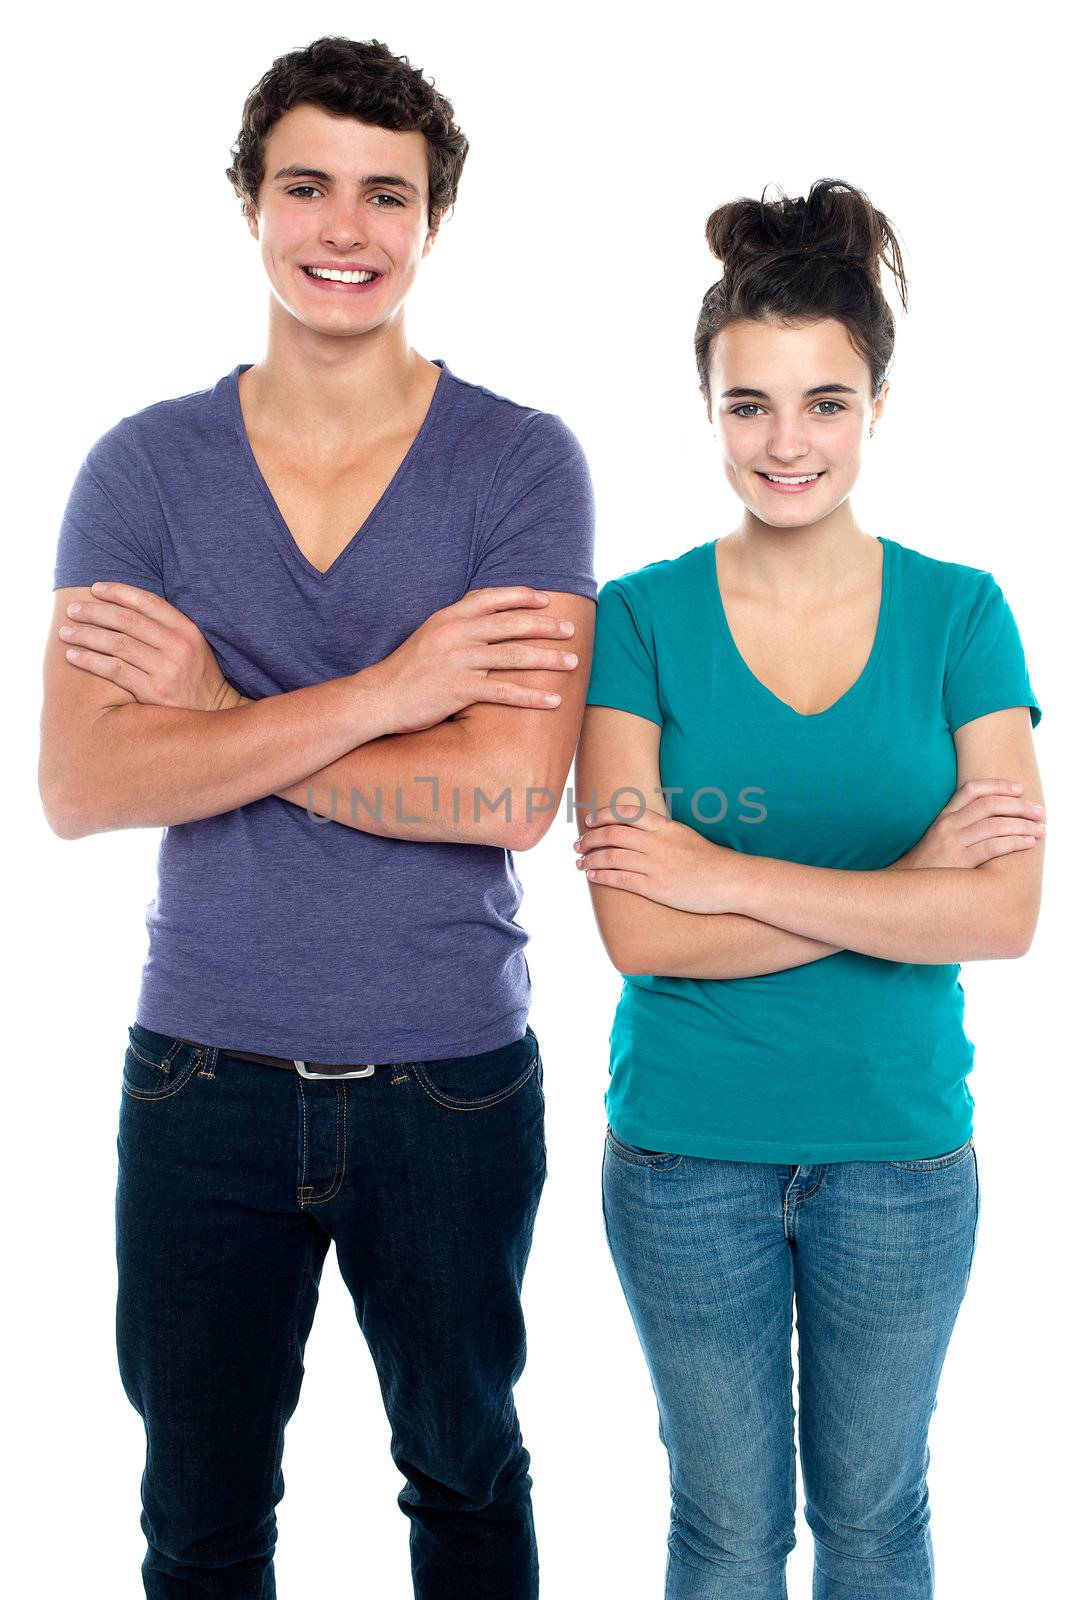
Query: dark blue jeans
[{"x": 233, "y": 1178}]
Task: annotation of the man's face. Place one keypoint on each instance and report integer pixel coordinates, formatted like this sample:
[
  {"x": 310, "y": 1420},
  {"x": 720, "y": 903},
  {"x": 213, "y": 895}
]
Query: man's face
[{"x": 366, "y": 207}]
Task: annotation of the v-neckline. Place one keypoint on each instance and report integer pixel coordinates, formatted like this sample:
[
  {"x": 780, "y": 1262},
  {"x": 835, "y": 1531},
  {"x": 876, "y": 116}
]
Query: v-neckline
[
  {"x": 286, "y": 540},
  {"x": 856, "y": 688}
]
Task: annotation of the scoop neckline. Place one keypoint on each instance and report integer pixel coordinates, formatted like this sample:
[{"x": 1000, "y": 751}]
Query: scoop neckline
[{"x": 847, "y": 698}]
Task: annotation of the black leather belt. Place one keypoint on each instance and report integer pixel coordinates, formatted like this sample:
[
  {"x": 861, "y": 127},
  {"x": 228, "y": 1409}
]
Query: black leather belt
[{"x": 306, "y": 1069}]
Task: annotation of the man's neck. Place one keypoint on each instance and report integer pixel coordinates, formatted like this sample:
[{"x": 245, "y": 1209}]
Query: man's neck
[{"x": 332, "y": 391}]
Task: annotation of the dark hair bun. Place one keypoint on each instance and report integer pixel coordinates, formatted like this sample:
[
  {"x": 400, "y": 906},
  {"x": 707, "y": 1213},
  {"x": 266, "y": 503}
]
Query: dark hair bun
[{"x": 835, "y": 220}]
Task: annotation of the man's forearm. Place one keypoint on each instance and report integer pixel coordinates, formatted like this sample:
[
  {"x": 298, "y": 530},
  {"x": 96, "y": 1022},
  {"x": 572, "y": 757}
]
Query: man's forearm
[
  {"x": 925, "y": 915},
  {"x": 140, "y": 766},
  {"x": 433, "y": 786}
]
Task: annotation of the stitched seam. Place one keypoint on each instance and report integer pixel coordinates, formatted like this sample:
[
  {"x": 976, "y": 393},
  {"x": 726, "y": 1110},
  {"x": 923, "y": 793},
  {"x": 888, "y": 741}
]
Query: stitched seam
[
  {"x": 161, "y": 1066},
  {"x": 173, "y": 1087},
  {"x": 472, "y": 1105},
  {"x": 340, "y": 1154},
  {"x": 934, "y": 1163}
]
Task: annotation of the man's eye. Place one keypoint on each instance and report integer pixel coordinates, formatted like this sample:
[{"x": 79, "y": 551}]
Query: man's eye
[
  {"x": 394, "y": 198},
  {"x": 304, "y": 188}
]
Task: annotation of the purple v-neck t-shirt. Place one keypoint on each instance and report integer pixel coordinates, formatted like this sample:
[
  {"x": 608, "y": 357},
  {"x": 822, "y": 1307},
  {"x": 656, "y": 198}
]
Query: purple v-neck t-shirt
[{"x": 269, "y": 931}]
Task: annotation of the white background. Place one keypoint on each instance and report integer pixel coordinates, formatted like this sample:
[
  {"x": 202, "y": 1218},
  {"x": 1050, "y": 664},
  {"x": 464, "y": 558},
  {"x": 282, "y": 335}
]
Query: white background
[{"x": 569, "y": 278}]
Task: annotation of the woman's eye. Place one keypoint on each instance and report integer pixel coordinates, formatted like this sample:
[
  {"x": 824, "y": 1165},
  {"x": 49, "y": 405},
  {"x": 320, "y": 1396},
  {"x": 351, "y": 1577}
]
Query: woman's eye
[{"x": 750, "y": 405}]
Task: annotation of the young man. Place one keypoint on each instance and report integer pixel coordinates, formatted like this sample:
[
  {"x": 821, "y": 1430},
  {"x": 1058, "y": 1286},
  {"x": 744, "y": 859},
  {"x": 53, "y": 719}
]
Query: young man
[{"x": 321, "y": 663}]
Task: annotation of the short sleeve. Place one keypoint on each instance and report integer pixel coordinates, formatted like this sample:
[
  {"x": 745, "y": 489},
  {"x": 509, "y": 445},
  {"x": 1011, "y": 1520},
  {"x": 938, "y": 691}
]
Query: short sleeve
[
  {"x": 623, "y": 673},
  {"x": 538, "y": 527},
  {"x": 989, "y": 672},
  {"x": 104, "y": 535}
]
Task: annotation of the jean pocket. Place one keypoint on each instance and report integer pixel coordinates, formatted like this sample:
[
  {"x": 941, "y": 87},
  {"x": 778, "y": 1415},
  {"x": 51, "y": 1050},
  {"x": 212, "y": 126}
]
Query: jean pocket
[
  {"x": 475, "y": 1083},
  {"x": 935, "y": 1163},
  {"x": 156, "y": 1064},
  {"x": 637, "y": 1156}
]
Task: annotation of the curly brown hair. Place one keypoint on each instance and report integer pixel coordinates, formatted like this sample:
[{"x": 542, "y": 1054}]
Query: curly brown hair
[
  {"x": 794, "y": 261},
  {"x": 355, "y": 78}
]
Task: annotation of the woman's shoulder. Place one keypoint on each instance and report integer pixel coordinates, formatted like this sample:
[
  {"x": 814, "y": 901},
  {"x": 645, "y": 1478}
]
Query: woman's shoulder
[
  {"x": 658, "y": 579},
  {"x": 938, "y": 579}
]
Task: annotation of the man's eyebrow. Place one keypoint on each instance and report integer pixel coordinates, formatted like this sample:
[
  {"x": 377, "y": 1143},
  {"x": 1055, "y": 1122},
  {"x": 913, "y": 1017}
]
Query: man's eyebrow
[
  {"x": 760, "y": 394},
  {"x": 391, "y": 179}
]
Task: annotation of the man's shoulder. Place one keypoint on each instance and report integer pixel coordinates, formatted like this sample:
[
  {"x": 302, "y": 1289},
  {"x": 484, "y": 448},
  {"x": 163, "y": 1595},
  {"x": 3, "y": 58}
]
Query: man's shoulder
[{"x": 496, "y": 422}]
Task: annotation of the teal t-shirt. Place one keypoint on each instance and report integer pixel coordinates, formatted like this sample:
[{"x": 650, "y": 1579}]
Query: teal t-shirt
[{"x": 849, "y": 1058}]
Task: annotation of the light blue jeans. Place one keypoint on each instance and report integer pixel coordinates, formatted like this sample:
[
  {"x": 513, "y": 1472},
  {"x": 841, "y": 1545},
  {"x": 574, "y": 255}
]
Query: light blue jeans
[{"x": 875, "y": 1256}]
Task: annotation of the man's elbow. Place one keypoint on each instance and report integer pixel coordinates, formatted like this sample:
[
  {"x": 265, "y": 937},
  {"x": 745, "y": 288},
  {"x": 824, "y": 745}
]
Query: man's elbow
[
  {"x": 535, "y": 811},
  {"x": 57, "y": 803},
  {"x": 65, "y": 819}
]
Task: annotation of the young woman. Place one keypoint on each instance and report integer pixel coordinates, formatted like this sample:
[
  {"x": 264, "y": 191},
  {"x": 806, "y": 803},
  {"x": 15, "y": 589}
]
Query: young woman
[{"x": 810, "y": 791}]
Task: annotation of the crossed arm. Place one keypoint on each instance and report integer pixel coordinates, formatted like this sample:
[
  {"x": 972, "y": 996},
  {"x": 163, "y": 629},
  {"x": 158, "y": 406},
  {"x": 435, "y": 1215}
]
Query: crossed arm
[
  {"x": 115, "y": 758},
  {"x": 787, "y": 915}
]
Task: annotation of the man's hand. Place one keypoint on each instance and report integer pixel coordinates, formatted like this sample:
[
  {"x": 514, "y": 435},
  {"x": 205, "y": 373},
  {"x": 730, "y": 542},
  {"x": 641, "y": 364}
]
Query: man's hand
[
  {"x": 159, "y": 655},
  {"x": 148, "y": 647},
  {"x": 986, "y": 817}
]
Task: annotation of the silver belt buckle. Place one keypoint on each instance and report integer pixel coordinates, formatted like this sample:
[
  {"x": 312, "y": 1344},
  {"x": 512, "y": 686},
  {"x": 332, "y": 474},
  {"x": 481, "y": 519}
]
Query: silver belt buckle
[{"x": 360, "y": 1072}]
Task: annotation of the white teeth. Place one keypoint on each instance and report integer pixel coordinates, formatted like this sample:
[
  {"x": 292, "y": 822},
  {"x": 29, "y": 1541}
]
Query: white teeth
[
  {"x": 773, "y": 478},
  {"x": 339, "y": 277}
]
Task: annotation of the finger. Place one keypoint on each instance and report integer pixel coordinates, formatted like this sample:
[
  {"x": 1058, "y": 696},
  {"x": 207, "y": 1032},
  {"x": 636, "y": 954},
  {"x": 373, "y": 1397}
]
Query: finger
[
  {"x": 626, "y": 860},
  {"x": 978, "y": 786},
  {"x": 528, "y": 656},
  {"x": 136, "y": 599},
  {"x": 1004, "y": 846},
  {"x": 84, "y": 636},
  {"x": 495, "y": 691},
  {"x": 121, "y": 618},
  {"x": 611, "y": 833},
  {"x": 624, "y": 814},
  {"x": 1001, "y": 805},
  {"x": 109, "y": 667},
  {"x": 478, "y": 602},
  {"x": 1001, "y": 827},
  {"x": 520, "y": 624}
]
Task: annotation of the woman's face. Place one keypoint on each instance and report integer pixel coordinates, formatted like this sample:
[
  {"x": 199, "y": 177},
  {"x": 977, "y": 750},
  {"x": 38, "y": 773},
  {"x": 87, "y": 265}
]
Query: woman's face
[{"x": 794, "y": 403}]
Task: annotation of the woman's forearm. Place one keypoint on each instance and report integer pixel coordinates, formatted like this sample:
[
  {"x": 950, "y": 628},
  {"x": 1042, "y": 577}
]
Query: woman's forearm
[
  {"x": 643, "y": 936},
  {"x": 924, "y": 915}
]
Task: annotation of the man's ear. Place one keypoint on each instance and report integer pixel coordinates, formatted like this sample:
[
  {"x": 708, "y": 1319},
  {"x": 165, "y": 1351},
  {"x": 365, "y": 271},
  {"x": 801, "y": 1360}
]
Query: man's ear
[{"x": 430, "y": 238}]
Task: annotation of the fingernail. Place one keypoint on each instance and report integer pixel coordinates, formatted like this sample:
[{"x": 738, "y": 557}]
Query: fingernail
[
  {"x": 1017, "y": 786},
  {"x": 569, "y": 658},
  {"x": 66, "y": 633},
  {"x": 567, "y": 627}
]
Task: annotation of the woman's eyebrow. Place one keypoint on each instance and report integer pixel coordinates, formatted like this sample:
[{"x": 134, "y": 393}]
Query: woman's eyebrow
[{"x": 760, "y": 394}]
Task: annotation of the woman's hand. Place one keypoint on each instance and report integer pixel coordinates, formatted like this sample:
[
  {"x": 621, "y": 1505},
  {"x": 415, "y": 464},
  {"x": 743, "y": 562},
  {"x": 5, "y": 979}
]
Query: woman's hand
[
  {"x": 986, "y": 817},
  {"x": 661, "y": 859},
  {"x": 146, "y": 645}
]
